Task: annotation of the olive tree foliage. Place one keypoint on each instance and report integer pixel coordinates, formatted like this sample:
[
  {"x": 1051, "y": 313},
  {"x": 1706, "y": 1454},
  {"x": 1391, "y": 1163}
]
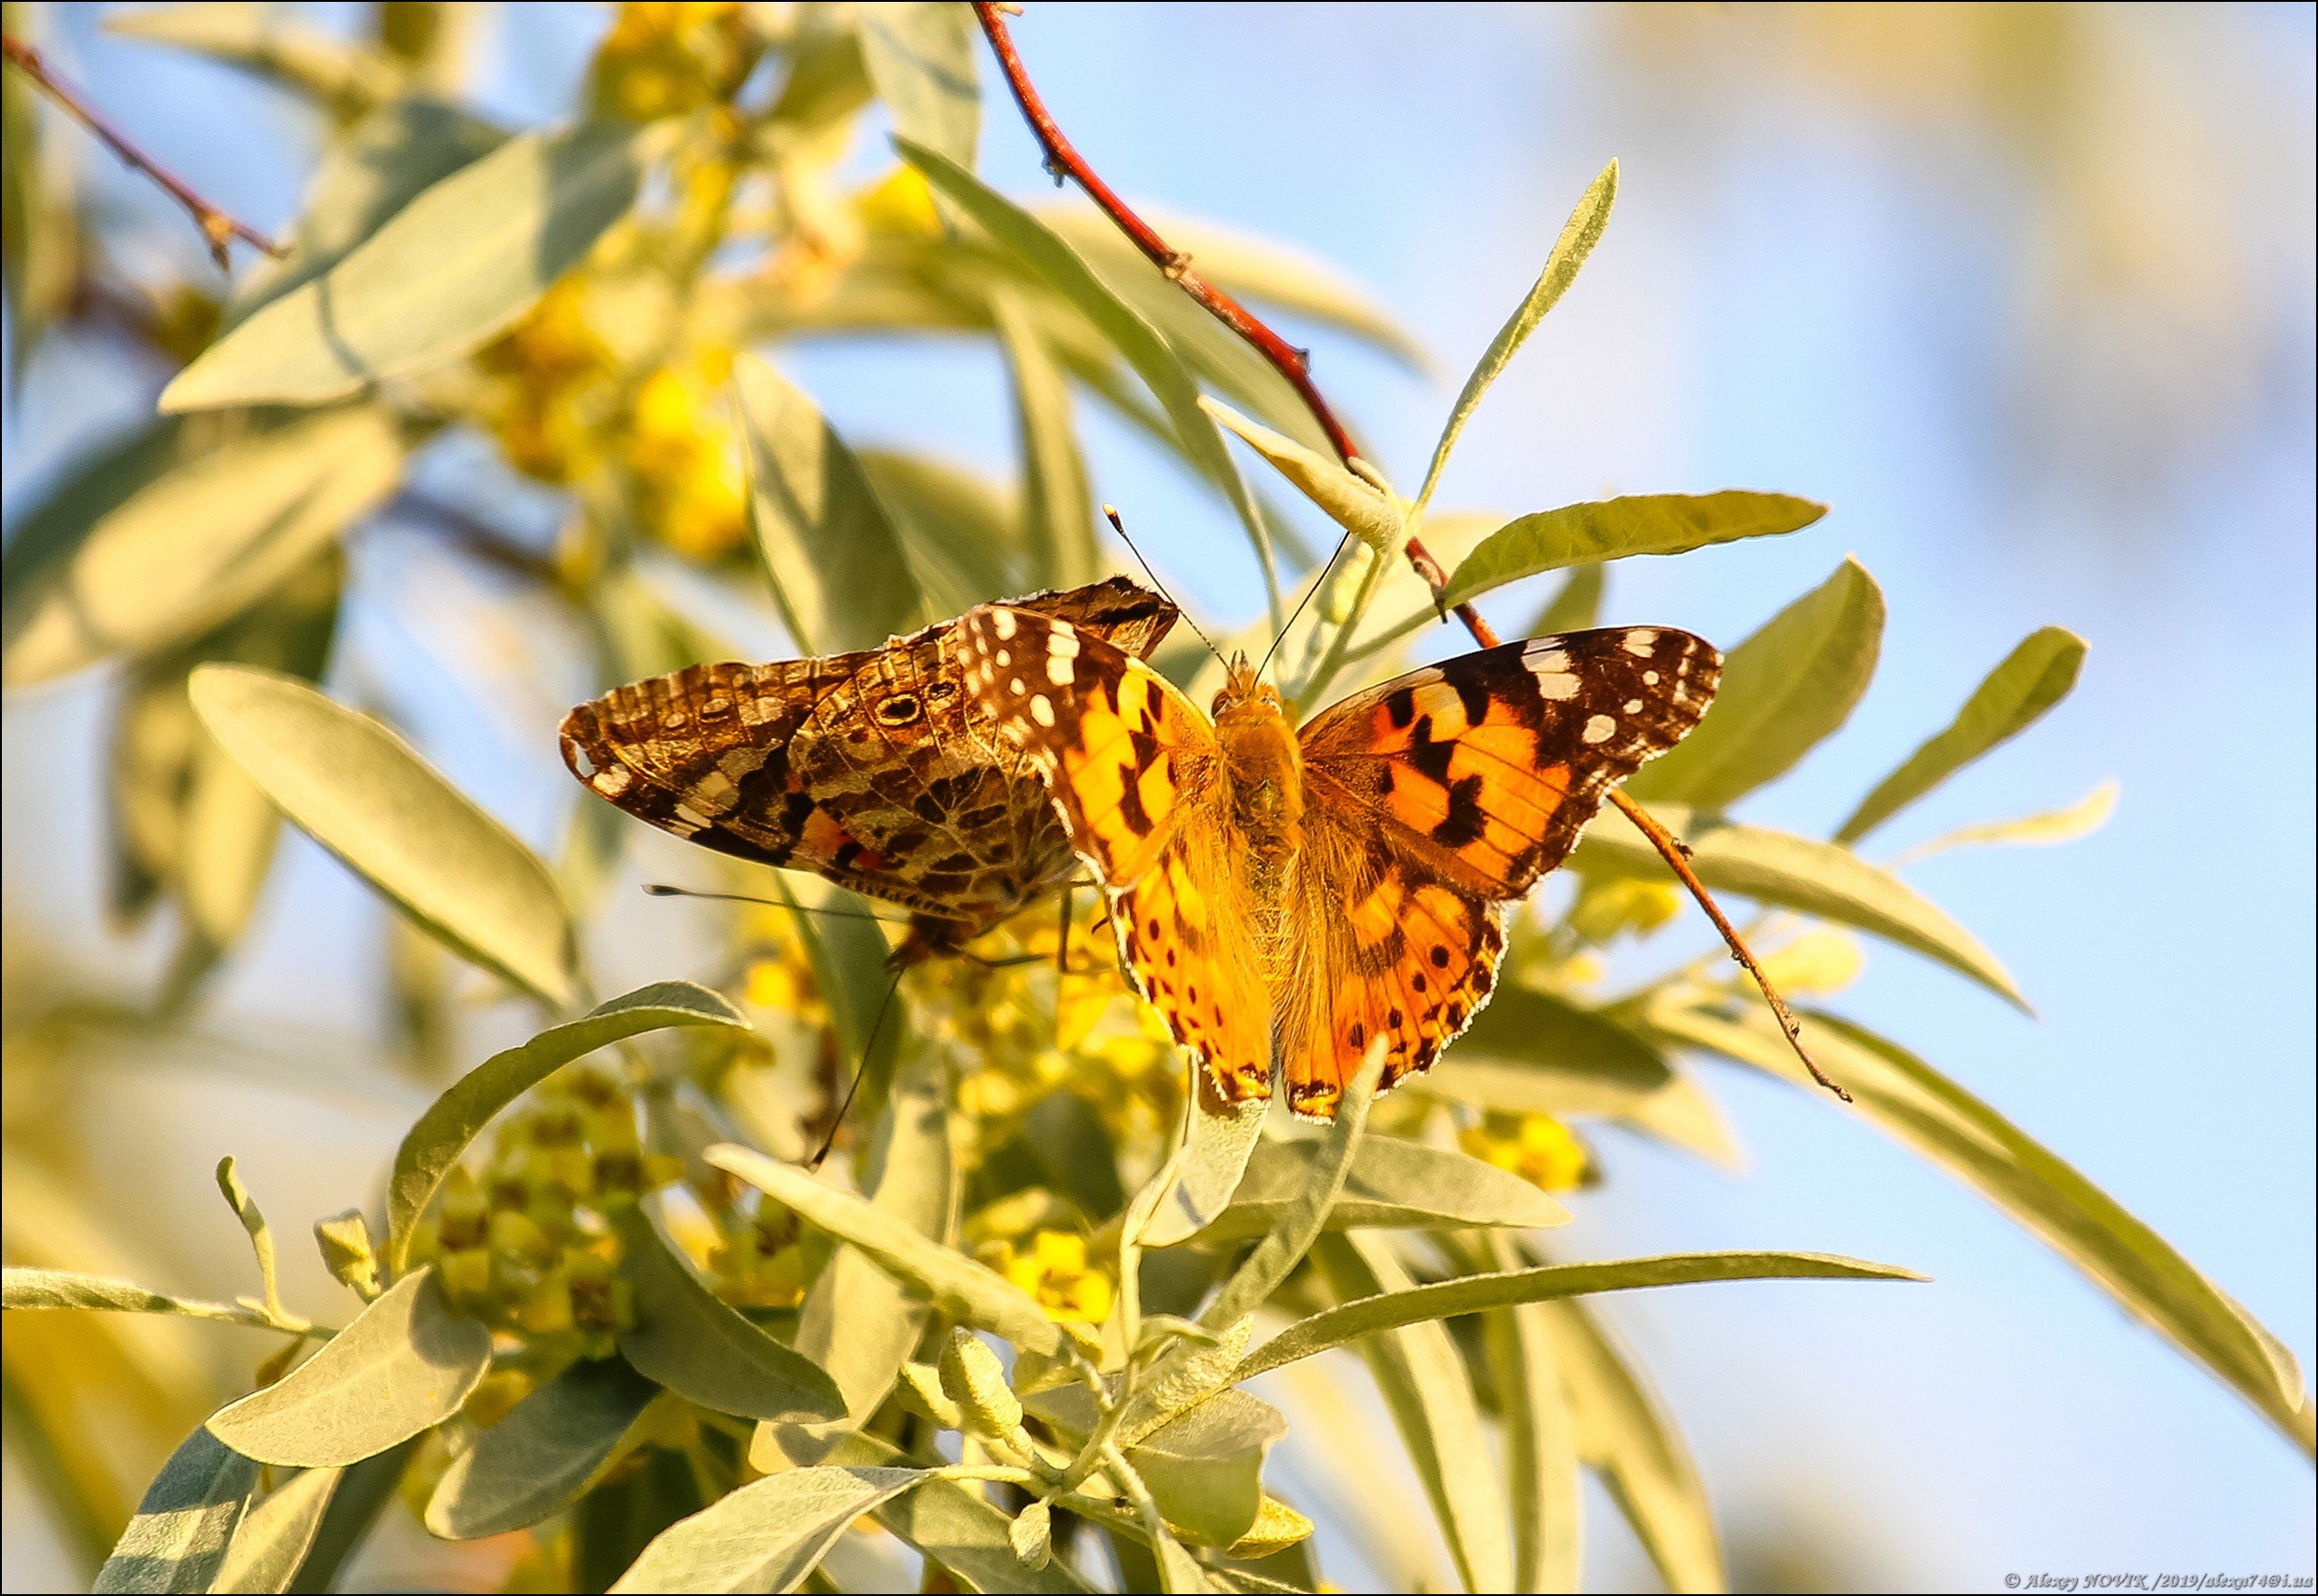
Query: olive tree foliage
[{"x": 602, "y": 1297}]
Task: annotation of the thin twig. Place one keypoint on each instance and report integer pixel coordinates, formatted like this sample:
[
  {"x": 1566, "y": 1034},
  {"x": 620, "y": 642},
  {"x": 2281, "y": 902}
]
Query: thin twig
[
  {"x": 1063, "y": 161},
  {"x": 216, "y": 226}
]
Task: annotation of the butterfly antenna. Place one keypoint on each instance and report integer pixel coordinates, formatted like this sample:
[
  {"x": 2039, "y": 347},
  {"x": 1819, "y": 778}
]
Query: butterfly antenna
[
  {"x": 1289, "y": 625},
  {"x": 662, "y": 889},
  {"x": 861, "y": 1073},
  {"x": 1111, "y": 514}
]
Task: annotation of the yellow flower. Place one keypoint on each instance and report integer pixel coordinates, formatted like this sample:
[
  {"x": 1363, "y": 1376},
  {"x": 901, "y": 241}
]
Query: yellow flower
[
  {"x": 902, "y": 203},
  {"x": 1538, "y": 1147},
  {"x": 1056, "y": 1272}
]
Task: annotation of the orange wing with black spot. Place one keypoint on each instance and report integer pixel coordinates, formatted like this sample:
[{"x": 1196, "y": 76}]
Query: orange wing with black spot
[
  {"x": 1134, "y": 770},
  {"x": 1435, "y": 800}
]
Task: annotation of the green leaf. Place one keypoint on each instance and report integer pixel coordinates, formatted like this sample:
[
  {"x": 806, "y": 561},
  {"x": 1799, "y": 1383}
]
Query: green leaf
[
  {"x": 2082, "y": 818},
  {"x": 961, "y": 529},
  {"x": 64, "y": 1288},
  {"x": 766, "y": 1536},
  {"x": 404, "y": 1366},
  {"x": 848, "y": 953},
  {"x": 704, "y": 1350},
  {"x": 364, "y": 1491},
  {"x": 1392, "y": 1183},
  {"x": 1352, "y": 502},
  {"x": 1540, "y": 1440},
  {"x": 455, "y": 266},
  {"x": 838, "y": 570},
  {"x": 947, "y": 1521},
  {"x": 1784, "y": 690},
  {"x": 362, "y": 792},
  {"x": 260, "y": 1234},
  {"x": 548, "y": 1450},
  {"x": 1620, "y": 528},
  {"x": 1422, "y": 1379},
  {"x": 920, "y": 54},
  {"x": 270, "y": 1545},
  {"x": 2137, "y": 1267},
  {"x": 1576, "y": 607},
  {"x": 342, "y": 73},
  {"x": 1580, "y": 234},
  {"x": 1550, "y": 1036},
  {"x": 178, "y": 1540},
  {"x": 1301, "y": 1221},
  {"x": 2032, "y": 678},
  {"x": 1218, "y": 1140},
  {"x": 1625, "y": 1435},
  {"x": 956, "y": 1285},
  {"x": 1477, "y": 1294},
  {"x": 382, "y": 164},
  {"x": 1789, "y": 871},
  {"x": 196, "y": 537},
  {"x": 40, "y": 218},
  {"x": 1058, "y": 505},
  {"x": 1205, "y": 1467},
  {"x": 859, "y": 1323},
  {"x": 455, "y": 1119},
  {"x": 1153, "y": 359}
]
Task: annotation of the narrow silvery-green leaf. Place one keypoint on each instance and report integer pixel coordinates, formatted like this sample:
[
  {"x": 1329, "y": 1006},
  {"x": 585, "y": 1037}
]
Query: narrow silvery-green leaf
[
  {"x": 203, "y": 535},
  {"x": 1392, "y": 1183},
  {"x": 961, "y": 528},
  {"x": 178, "y": 1540},
  {"x": 766, "y": 1536},
  {"x": 454, "y": 266},
  {"x": 1555, "y": 1036},
  {"x": 2081, "y": 819},
  {"x": 1790, "y": 872},
  {"x": 1917, "y": 1106},
  {"x": 1422, "y": 1379},
  {"x": 252, "y": 1219},
  {"x": 957, "y": 1285},
  {"x": 1577, "y": 606},
  {"x": 1153, "y": 360},
  {"x": 848, "y": 953},
  {"x": 838, "y": 569},
  {"x": 1580, "y": 234},
  {"x": 1179, "y": 1571},
  {"x": 1205, "y": 1467},
  {"x": 1477, "y": 1294},
  {"x": 1058, "y": 507},
  {"x": 1626, "y": 1437},
  {"x": 706, "y": 1351},
  {"x": 1784, "y": 690},
  {"x": 1350, "y": 500},
  {"x": 433, "y": 1145},
  {"x": 2032, "y": 678},
  {"x": 1540, "y": 1440},
  {"x": 1218, "y": 1140},
  {"x": 64, "y": 1288},
  {"x": 544, "y": 1454},
  {"x": 921, "y": 54},
  {"x": 404, "y": 1366},
  {"x": 343, "y": 74},
  {"x": 362, "y": 792},
  {"x": 272, "y": 1540},
  {"x": 1620, "y": 528},
  {"x": 1306, "y": 1214},
  {"x": 364, "y": 1491}
]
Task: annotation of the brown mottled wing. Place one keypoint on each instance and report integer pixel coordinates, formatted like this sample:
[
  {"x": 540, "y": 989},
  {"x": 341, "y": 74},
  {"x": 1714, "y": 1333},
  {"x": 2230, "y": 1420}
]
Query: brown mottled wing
[
  {"x": 1133, "y": 769},
  {"x": 1440, "y": 796},
  {"x": 862, "y": 767}
]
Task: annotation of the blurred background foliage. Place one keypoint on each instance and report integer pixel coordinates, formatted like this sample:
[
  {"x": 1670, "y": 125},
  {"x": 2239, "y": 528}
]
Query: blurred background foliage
[{"x": 551, "y": 495}]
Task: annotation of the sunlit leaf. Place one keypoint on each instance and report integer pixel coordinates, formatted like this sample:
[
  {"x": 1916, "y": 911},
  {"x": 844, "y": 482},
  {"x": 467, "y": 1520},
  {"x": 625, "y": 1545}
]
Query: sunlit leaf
[
  {"x": 362, "y": 792},
  {"x": 404, "y": 1366},
  {"x": 1540, "y": 1442},
  {"x": 961, "y": 529},
  {"x": 434, "y": 1144},
  {"x": 1058, "y": 507},
  {"x": 1218, "y": 1141},
  {"x": 64, "y": 1288},
  {"x": 455, "y": 266},
  {"x": 545, "y": 1453},
  {"x": 1392, "y": 1183},
  {"x": 2081, "y": 819},
  {"x": 691, "y": 1342},
  {"x": 364, "y": 1492},
  {"x": 271, "y": 1543},
  {"x": 1939, "y": 1120},
  {"x": 1350, "y": 500},
  {"x": 766, "y": 1536},
  {"x": 921, "y": 55},
  {"x": 1790, "y": 872},
  {"x": 178, "y": 1540},
  {"x": 2029, "y": 681},
  {"x": 342, "y": 73},
  {"x": 1205, "y": 1468},
  {"x": 1784, "y": 690},
  {"x": 1580, "y": 234},
  {"x": 192, "y": 543}
]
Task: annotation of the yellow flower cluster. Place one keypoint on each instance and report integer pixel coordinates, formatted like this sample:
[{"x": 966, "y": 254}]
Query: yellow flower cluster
[
  {"x": 1053, "y": 1269},
  {"x": 1538, "y": 1147},
  {"x": 764, "y": 1258},
  {"x": 660, "y": 59}
]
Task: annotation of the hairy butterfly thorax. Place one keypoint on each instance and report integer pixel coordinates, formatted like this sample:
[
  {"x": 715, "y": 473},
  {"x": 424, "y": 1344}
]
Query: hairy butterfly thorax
[{"x": 1263, "y": 766}]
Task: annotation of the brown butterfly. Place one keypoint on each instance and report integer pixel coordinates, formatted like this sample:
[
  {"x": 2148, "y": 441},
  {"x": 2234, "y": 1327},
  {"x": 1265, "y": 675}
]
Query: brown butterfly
[
  {"x": 1301, "y": 896},
  {"x": 865, "y": 768}
]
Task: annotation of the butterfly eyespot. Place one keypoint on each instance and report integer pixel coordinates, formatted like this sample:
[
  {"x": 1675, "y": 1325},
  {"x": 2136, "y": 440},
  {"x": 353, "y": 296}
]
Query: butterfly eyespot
[
  {"x": 941, "y": 692},
  {"x": 900, "y": 709}
]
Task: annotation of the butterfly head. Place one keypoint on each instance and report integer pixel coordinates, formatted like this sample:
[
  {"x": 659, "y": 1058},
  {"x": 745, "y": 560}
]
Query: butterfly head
[{"x": 1261, "y": 758}]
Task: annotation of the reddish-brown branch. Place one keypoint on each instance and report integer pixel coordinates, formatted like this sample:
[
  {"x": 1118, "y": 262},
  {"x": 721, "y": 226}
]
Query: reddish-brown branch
[
  {"x": 217, "y": 227},
  {"x": 1064, "y": 161}
]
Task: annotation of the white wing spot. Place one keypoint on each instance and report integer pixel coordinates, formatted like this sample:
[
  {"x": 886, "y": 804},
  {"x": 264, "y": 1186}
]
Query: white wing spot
[
  {"x": 1058, "y": 669},
  {"x": 611, "y": 782},
  {"x": 1041, "y": 711},
  {"x": 1600, "y": 729},
  {"x": 1016, "y": 687},
  {"x": 1002, "y": 622},
  {"x": 1557, "y": 686},
  {"x": 1644, "y": 643},
  {"x": 1064, "y": 640},
  {"x": 1550, "y": 660},
  {"x": 1633, "y": 707},
  {"x": 1650, "y": 679},
  {"x": 1005, "y": 656}
]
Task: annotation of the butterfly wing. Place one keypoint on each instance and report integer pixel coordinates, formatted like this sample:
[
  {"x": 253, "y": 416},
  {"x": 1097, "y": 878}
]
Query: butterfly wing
[
  {"x": 1134, "y": 770},
  {"x": 1437, "y": 798}
]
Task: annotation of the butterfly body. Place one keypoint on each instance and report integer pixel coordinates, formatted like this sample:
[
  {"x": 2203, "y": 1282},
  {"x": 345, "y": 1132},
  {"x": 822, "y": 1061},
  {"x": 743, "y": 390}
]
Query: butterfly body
[{"x": 1296, "y": 897}]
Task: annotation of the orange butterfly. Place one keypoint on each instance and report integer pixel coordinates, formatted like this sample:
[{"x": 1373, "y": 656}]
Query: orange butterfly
[{"x": 1303, "y": 896}]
